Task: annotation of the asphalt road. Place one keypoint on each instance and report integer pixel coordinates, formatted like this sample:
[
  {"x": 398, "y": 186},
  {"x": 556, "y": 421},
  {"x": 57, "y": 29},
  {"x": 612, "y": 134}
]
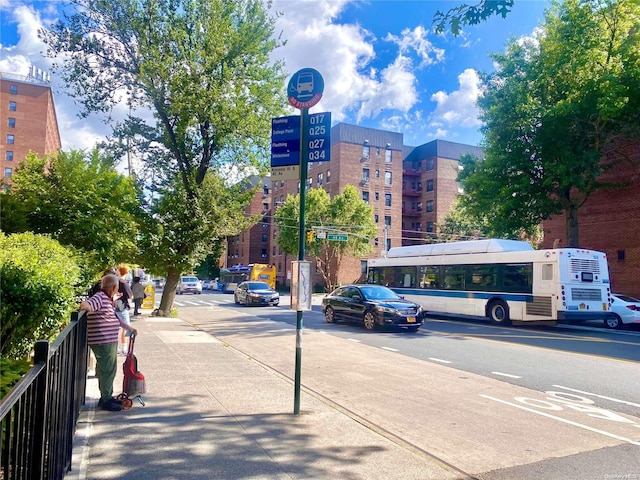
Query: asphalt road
[{"x": 501, "y": 403}]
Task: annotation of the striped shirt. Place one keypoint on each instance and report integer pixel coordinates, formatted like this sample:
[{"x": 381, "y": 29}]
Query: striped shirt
[{"x": 102, "y": 324}]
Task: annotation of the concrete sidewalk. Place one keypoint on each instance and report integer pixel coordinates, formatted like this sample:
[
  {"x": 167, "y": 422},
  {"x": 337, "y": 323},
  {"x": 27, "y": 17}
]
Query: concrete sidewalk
[{"x": 213, "y": 412}]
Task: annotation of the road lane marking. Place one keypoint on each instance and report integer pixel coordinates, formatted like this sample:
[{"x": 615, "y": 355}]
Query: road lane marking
[
  {"x": 390, "y": 349},
  {"x": 439, "y": 360},
  {"x": 353, "y": 340},
  {"x": 564, "y": 420},
  {"x": 506, "y": 375},
  {"x": 599, "y": 396},
  {"x": 191, "y": 303}
]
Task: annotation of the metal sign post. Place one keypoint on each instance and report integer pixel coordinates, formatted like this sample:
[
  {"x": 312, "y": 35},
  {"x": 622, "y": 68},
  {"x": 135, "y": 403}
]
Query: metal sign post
[{"x": 304, "y": 91}]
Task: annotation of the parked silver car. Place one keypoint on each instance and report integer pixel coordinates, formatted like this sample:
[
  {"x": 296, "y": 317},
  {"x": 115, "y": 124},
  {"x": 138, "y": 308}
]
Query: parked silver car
[{"x": 188, "y": 284}]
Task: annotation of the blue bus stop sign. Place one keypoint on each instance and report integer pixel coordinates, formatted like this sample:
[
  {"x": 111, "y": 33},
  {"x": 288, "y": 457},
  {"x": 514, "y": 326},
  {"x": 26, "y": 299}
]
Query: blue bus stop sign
[{"x": 305, "y": 88}]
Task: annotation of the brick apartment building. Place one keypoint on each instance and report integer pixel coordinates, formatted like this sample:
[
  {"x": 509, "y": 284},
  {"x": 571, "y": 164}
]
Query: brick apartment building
[
  {"x": 609, "y": 221},
  {"x": 409, "y": 188},
  {"x": 29, "y": 122}
]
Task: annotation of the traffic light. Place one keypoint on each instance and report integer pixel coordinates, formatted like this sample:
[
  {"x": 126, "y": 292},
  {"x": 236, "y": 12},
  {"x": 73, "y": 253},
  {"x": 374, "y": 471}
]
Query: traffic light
[{"x": 311, "y": 236}]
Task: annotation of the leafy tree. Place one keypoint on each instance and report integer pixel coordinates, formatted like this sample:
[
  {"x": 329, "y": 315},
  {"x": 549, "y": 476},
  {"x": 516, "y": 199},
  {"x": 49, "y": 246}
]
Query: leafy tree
[
  {"x": 79, "y": 200},
  {"x": 465, "y": 14},
  {"x": 559, "y": 111},
  {"x": 458, "y": 225},
  {"x": 38, "y": 291},
  {"x": 176, "y": 239},
  {"x": 345, "y": 213},
  {"x": 203, "y": 69}
]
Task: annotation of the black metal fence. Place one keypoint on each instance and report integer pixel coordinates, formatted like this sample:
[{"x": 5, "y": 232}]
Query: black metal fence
[{"x": 40, "y": 413}]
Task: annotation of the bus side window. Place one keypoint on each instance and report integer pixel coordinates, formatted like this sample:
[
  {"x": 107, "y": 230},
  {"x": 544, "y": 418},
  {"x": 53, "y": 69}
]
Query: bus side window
[
  {"x": 454, "y": 278},
  {"x": 429, "y": 277}
]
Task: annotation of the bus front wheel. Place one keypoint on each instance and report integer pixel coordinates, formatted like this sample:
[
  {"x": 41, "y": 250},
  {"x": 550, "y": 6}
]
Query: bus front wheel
[{"x": 499, "y": 313}]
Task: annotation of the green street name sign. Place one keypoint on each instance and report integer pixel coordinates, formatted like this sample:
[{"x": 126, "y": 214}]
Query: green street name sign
[{"x": 337, "y": 238}]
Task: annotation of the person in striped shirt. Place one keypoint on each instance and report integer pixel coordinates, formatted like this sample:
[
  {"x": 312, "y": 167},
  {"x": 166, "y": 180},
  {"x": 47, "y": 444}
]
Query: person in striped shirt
[{"x": 102, "y": 333}]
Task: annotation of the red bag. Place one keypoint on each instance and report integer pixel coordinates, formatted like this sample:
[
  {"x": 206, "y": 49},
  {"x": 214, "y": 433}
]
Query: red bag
[{"x": 133, "y": 384}]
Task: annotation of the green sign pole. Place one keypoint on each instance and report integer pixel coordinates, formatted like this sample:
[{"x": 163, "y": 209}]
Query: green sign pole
[{"x": 304, "y": 164}]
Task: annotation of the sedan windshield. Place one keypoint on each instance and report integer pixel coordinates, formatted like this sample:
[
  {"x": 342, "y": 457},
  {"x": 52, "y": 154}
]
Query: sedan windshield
[
  {"x": 378, "y": 293},
  {"x": 258, "y": 286}
]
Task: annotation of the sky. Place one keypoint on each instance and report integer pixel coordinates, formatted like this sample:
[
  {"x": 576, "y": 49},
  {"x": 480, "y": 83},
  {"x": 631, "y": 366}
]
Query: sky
[{"x": 382, "y": 64}]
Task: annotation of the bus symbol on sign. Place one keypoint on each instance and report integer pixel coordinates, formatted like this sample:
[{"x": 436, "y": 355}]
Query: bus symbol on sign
[{"x": 305, "y": 88}]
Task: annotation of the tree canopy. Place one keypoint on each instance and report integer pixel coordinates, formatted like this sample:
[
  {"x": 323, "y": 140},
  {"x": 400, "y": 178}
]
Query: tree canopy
[
  {"x": 346, "y": 213},
  {"x": 558, "y": 112},
  {"x": 204, "y": 71},
  {"x": 78, "y": 199},
  {"x": 465, "y": 14}
]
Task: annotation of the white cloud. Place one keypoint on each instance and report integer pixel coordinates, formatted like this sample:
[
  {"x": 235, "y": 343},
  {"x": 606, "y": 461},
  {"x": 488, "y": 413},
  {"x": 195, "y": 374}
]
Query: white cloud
[
  {"x": 343, "y": 54},
  {"x": 416, "y": 40},
  {"x": 459, "y": 107}
]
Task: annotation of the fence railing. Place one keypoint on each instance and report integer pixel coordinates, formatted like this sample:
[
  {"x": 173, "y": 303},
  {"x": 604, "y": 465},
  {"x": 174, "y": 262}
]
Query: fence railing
[{"x": 40, "y": 413}]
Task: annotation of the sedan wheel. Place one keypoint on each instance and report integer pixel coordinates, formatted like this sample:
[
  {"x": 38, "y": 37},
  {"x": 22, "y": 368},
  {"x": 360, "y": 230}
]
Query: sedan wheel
[
  {"x": 613, "y": 321},
  {"x": 235, "y": 299},
  {"x": 329, "y": 315},
  {"x": 369, "y": 321}
]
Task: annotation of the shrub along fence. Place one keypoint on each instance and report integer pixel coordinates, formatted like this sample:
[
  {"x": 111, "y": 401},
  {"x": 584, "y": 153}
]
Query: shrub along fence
[{"x": 40, "y": 413}]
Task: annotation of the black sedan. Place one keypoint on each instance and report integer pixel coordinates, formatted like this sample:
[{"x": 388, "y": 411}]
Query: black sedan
[
  {"x": 256, "y": 293},
  {"x": 372, "y": 306}
]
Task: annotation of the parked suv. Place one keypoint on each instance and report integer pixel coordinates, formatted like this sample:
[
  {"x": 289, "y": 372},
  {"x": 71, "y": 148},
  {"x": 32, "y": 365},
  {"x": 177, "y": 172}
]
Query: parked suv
[{"x": 188, "y": 284}]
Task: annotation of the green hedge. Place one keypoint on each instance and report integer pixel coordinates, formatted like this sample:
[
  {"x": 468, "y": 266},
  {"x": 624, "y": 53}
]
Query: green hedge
[{"x": 38, "y": 281}]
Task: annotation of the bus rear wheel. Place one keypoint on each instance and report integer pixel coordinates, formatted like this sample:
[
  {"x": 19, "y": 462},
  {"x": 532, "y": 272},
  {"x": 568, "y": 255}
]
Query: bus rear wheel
[{"x": 499, "y": 313}]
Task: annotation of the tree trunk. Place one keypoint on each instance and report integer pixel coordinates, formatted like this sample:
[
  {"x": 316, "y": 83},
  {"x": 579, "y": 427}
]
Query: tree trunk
[
  {"x": 571, "y": 220},
  {"x": 169, "y": 293}
]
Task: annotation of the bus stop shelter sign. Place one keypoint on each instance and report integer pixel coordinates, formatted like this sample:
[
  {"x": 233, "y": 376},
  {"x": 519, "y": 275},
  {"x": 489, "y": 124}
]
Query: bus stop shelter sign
[{"x": 305, "y": 88}]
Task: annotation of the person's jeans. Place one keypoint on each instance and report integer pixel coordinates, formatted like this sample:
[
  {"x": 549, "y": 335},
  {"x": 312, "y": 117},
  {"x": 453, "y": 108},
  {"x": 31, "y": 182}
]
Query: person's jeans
[
  {"x": 106, "y": 366},
  {"x": 137, "y": 302}
]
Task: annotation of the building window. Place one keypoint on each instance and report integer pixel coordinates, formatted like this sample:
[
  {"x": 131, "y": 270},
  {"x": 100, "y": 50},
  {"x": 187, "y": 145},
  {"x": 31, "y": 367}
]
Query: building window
[
  {"x": 430, "y": 227},
  {"x": 388, "y": 244},
  {"x": 320, "y": 175},
  {"x": 621, "y": 255},
  {"x": 365, "y": 197},
  {"x": 387, "y": 178},
  {"x": 7, "y": 172},
  {"x": 298, "y": 187},
  {"x": 387, "y": 155},
  {"x": 419, "y": 207},
  {"x": 281, "y": 183},
  {"x": 377, "y": 196},
  {"x": 387, "y": 199},
  {"x": 365, "y": 150},
  {"x": 430, "y": 163},
  {"x": 265, "y": 191},
  {"x": 12, "y": 122},
  {"x": 265, "y": 237},
  {"x": 429, "y": 185},
  {"x": 365, "y": 175},
  {"x": 309, "y": 182},
  {"x": 376, "y": 218},
  {"x": 429, "y": 205},
  {"x": 13, "y": 89},
  {"x": 12, "y": 106},
  {"x": 8, "y": 155},
  {"x": 328, "y": 176},
  {"x": 274, "y": 251},
  {"x": 387, "y": 220},
  {"x": 10, "y": 139},
  {"x": 264, "y": 253},
  {"x": 265, "y": 207},
  {"x": 377, "y": 174}
]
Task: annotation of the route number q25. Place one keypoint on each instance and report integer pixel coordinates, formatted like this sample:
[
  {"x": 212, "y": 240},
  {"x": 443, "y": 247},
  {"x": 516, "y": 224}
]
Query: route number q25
[{"x": 317, "y": 130}]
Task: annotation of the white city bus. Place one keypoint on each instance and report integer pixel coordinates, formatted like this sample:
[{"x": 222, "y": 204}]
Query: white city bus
[{"x": 504, "y": 280}]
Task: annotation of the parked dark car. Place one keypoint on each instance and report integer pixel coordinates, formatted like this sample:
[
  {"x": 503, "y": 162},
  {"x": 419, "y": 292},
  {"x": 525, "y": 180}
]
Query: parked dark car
[
  {"x": 371, "y": 306},
  {"x": 256, "y": 293}
]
